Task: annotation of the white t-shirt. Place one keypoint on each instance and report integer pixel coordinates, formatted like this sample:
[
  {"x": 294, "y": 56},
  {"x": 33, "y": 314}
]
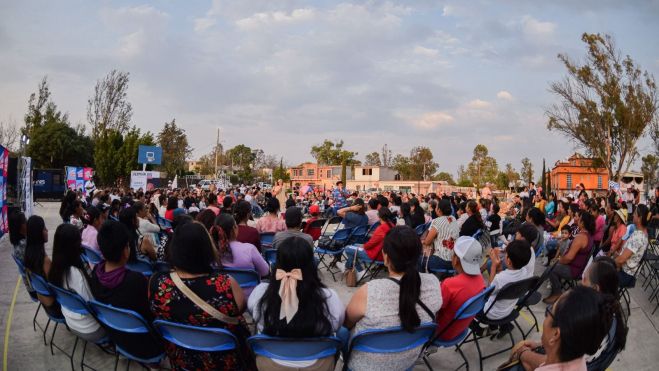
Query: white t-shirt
[
  {"x": 334, "y": 305},
  {"x": 84, "y": 324},
  {"x": 502, "y": 308},
  {"x": 529, "y": 268}
]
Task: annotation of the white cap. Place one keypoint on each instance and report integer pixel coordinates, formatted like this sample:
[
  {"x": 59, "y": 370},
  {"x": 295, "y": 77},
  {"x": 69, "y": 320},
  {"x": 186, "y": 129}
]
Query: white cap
[{"x": 470, "y": 252}]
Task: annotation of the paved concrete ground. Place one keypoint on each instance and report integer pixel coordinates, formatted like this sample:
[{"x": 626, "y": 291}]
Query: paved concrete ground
[{"x": 24, "y": 350}]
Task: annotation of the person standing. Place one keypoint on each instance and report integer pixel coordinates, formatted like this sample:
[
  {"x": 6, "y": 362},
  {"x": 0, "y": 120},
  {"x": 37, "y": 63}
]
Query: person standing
[{"x": 279, "y": 192}]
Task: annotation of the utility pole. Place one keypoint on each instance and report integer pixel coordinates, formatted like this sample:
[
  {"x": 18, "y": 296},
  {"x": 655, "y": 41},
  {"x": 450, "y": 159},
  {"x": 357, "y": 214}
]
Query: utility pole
[{"x": 217, "y": 145}]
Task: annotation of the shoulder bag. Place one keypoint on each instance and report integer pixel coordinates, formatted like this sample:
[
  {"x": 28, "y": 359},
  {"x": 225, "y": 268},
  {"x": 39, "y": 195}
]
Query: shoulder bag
[{"x": 188, "y": 293}]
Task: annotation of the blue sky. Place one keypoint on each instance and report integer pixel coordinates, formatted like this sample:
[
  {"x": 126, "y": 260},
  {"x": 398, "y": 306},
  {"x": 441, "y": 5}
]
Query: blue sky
[{"x": 284, "y": 75}]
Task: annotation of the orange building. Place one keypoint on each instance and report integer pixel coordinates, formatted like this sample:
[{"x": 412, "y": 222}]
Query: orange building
[
  {"x": 309, "y": 173},
  {"x": 577, "y": 169}
]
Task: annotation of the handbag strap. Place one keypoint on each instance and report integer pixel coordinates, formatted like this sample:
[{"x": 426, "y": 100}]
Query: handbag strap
[
  {"x": 418, "y": 301},
  {"x": 200, "y": 302}
]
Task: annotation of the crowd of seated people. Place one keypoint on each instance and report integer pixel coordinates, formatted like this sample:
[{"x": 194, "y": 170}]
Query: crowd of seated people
[{"x": 201, "y": 239}]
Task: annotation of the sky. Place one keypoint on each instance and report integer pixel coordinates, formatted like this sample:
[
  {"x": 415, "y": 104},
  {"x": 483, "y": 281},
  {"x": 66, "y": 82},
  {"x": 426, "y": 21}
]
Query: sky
[{"x": 283, "y": 75}]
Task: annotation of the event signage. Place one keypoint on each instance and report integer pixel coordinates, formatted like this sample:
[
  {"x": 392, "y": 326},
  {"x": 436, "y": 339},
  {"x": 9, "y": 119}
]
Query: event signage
[
  {"x": 149, "y": 155},
  {"x": 80, "y": 179},
  {"x": 4, "y": 166},
  {"x": 145, "y": 180}
]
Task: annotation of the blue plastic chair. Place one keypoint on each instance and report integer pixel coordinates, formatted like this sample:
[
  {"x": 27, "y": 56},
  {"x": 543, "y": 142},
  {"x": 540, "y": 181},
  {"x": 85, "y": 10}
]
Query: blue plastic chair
[
  {"x": 140, "y": 266},
  {"x": 294, "y": 349},
  {"x": 41, "y": 287},
  {"x": 340, "y": 238},
  {"x": 33, "y": 295},
  {"x": 91, "y": 256},
  {"x": 539, "y": 251},
  {"x": 390, "y": 340},
  {"x": 164, "y": 223},
  {"x": 246, "y": 278},
  {"x": 266, "y": 240},
  {"x": 421, "y": 229},
  {"x": 201, "y": 339},
  {"x": 359, "y": 235},
  {"x": 468, "y": 309},
  {"x": 125, "y": 321},
  {"x": 270, "y": 256},
  {"x": 73, "y": 302}
]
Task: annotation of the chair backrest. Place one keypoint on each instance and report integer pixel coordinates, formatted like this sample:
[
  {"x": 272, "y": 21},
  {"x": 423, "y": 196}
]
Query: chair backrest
[
  {"x": 373, "y": 228},
  {"x": 202, "y": 339},
  {"x": 91, "y": 256},
  {"x": 516, "y": 290},
  {"x": 342, "y": 235},
  {"x": 294, "y": 349},
  {"x": 244, "y": 277},
  {"x": 478, "y": 234},
  {"x": 391, "y": 340},
  {"x": 421, "y": 229},
  {"x": 270, "y": 255},
  {"x": 119, "y": 319},
  {"x": 468, "y": 309},
  {"x": 19, "y": 264},
  {"x": 359, "y": 234},
  {"x": 318, "y": 223},
  {"x": 70, "y": 300},
  {"x": 333, "y": 220},
  {"x": 539, "y": 250},
  {"x": 140, "y": 266},
  {"x": 40, "y": 285},
  {"x": 266, "y": 239}
]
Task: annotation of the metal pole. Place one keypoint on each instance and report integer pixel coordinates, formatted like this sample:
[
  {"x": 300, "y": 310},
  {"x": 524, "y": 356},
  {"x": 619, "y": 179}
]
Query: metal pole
[{"x": 217, "y": 144}]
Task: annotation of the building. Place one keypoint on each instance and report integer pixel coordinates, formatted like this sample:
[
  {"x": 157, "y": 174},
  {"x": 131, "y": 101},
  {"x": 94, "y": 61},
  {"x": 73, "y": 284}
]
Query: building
[
  {"x": 193, "y": 165},
  {"x": 310, "y": 173},
  {"x": 566, "y": 174}
]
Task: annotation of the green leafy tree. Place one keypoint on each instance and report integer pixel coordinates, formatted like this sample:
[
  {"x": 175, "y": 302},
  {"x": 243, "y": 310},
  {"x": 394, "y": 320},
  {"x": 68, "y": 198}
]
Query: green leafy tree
[
  {"x": 54, "y": 143},
  {"x": 372, "y": 159},
  {"x": 502, "y": 180},
  {"x": 444, "y": 177},
  {"x": 401, "y": 164},
  {"x": 422, "y": 165},
  {"x": 280, "y": 172},
  {"x": 527, "y": 170},
  {"x": 330, "y": 153},
  {"x": 543, "y": 180},
  {"x": 650, "y": 168},
  {"x": 242, "y": 157},
  {"x": 463, "y": 177},
  {"x": 106, "y": 147},
  {"x": 511, "y": 173},
  {"x": 482, "y": 168},
  {"x": 605, "y": 104},
  {"x": 387, "y": 157},
  {"x": 175, "y": 148}
]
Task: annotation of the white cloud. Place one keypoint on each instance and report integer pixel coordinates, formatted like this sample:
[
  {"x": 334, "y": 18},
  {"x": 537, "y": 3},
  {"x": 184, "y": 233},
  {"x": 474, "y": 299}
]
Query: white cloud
[
  {"x": 478, "y": 104},
  {"x": 448, "y": 10},
  {"x": 132, "y": 44},
  {"x": 204, "y": 23},
  {"x": 264, "y": 19},
  {"x": 430, "y": 120},
  {"x": 535, "y": 29},
  {"x": 504, "y": 95},
  {"x": 428, "y": 52}
]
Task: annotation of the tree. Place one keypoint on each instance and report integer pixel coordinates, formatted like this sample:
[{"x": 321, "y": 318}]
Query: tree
[
  {"x": 444, "y": 177},
  {"x": 401, "y": 164},
  {"x": 387, "y": 157},
  {"x": 106, "y": 148},
  {"x": 330, "y": 153},
  {"x": 649, "y": 168},
  {"x": 482, "y": 168},
  {"x": 243, "y": 158},
  {"x": 372, "y": 159},
  {"x": 527, "y": 170},
  {"x": 543, "y": 180},
  {"x": 281, "y": 173},
  {"x": 502, "y": 180},
  {"x": 605, "y": 105},
  {"x": 108, "y": 108},
  {"x": 175, "y": 148},
  {"x": 53, "y": 142},
  {"x": 511, "y": 173},
  {"x": 422, "y": 165},
  {"x": 463, "y": 177},
  {"x": 9, "y": 134}
]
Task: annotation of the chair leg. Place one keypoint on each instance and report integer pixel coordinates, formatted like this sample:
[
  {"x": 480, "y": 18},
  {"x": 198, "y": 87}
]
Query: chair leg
[
  {"x": 45, "y": 331},
  {"x": 466, "y": 362},
  {"x": 520, "y": 331},
  {"x": 82, "y": 360},
  {"x": 34, "y": 319},
  {"x": 116, "y": 361},
  {"x": 478, "y": 348},
  {"x": 425, "y": 360},
  {"x": 75, "y": 345},
  {"x": 52, "y": 352}
]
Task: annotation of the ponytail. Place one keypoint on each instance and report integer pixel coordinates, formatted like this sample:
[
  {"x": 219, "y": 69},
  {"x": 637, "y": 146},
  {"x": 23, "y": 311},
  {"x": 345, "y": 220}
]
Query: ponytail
[
  {"x": 221, "y": 234},
  {"x": 410, "y": 290},
  {"x": 473, "y": 207},
  {"x": 403, "y": 248},
  {"x": 611, "y": 311}
]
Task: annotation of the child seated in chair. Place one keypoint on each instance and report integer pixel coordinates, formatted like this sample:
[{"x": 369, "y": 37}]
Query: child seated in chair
[{"x": 518, "y": 254}]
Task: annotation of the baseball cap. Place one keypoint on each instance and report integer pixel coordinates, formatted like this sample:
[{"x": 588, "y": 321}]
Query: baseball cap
[
  {"x": 314, "y": 209},
  {"x": 470, "y": 252}
]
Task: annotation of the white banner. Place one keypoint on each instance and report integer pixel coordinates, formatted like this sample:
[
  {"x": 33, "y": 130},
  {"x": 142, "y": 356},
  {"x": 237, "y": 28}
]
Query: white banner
[
  {"x": 26, "y": 184},
  {"x": 140, "y": 179}
]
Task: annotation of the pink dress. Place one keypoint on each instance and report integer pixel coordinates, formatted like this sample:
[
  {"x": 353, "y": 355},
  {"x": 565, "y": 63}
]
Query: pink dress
[{"x": 268, "y": 224}]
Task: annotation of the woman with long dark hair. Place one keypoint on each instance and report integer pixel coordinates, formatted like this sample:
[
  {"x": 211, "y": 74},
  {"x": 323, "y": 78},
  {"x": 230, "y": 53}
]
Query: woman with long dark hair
[
  {"x": 406, "y": 298},
  {"x": 93, "y": 222},
  {"x": 193, "y": 257},
  {"x": 474, "y": 221},
  {"x": 271, "y": 222},
  {"x": 571, "y": 264},
  {"x": 233, "y": 253},
  {"x": 36, "y": 260},
  {"x": 242, "y": 213},
  {"x": 65, "y": 205},
  {"x": 295, "y": 303},
  {"x": 140, "y": 247},
  {"x": 68, "y": 271},
  {"x": 17, "y": 230}
]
